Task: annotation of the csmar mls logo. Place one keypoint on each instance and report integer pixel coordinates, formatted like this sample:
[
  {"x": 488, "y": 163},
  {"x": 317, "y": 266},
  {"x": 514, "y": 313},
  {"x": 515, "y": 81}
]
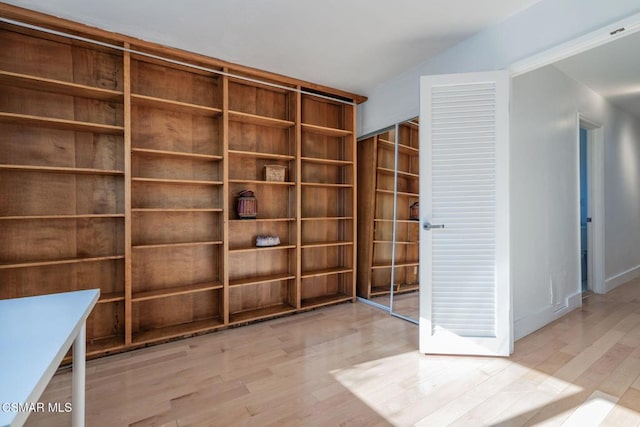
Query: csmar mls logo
[{"x": 36, "y": 407}]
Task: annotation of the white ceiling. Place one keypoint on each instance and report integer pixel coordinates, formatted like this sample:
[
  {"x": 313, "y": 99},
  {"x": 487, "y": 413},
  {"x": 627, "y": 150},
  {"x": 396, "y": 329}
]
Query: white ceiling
[
  {"x": 612, "y": 70},
  {"x": 347, "y": 44}
]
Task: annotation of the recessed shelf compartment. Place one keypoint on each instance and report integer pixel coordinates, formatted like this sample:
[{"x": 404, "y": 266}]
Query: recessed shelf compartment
[
  {"x": 54, "y": 123},
  {"x": 175, "y": 181},
  {"x": 398, "y": 242},
  {"x": 400, "y": 193},
  {"x": 44, "y": 84},
  {"x": 106, "y": 298},
  {"x": 262, "y": 249},
  {"x": 178, "y": 244},
  {"x": 325, "y": 131},
  {"x": 39, "y": 263},
  {"x": 174, "y": 196},
  {"x": 328, "y": 218},
  {"x": 177, "y": 154},
  {"x": 100, "y": 346},
  {"x": 390, "y": 145},
  {"x": 247, "y": 221},
  {"x": 326, "y": 244},
  {"x": 175, "y": 86},
  {"x": 326, "y": 272},
  {"x": 261, "y": 155},
  {"x": 105, "y": 327},
  {"x": 326, "y": 184},
  {"x": 60, "y": 217},
  {"x": 142, "y": 210},
  {"x": 176, "y": 290},
  {"x": 260, "y": 182},
  {"x": 323, "y": 300},
  {"x": 264, "y": 288},
  {"x": 253, "y": 119},
  {"x": 260, "y": 313},
  {"x": 391, "y": 172},
  {"x": 327, "y": 161},
  {"x": 181, "y": 107},
  {"x": 261, "y": 279},
  {"x": 37, "y": 242},
  {"x": 397, "y": 265},
  {"x": 49, "y": 169},
  {"x": 177, "y": 330}
]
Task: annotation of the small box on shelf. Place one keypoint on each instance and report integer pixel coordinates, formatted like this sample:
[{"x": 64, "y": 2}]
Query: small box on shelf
[{"x": 274, "y": 173}]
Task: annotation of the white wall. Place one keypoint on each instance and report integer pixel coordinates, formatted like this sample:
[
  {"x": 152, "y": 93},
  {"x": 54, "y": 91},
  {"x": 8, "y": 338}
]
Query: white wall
[
  {"x": 544, "y": 194},
  {"x": 622, "y": 198},
  {"x": 536, "y": 29}
]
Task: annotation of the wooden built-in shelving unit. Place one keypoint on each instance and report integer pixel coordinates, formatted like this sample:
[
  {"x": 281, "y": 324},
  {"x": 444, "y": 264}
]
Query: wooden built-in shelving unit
[
  {"x": 377, "y": 176},
  {"x": 121, "y": 171}
]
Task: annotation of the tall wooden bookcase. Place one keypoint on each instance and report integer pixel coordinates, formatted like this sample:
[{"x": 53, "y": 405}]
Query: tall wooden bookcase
[
  {"x": 379, "y": 184},
  {"x": 120, "y": 170}
]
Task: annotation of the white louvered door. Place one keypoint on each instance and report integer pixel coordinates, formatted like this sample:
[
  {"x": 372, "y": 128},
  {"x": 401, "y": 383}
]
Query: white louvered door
[{"x": 465, "y": 298}]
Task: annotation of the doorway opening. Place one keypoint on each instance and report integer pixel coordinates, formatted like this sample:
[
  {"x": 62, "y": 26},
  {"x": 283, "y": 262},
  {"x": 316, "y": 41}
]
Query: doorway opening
[
  {"x": 590, "y": 200},
  {"x": 585, "y": 219}
]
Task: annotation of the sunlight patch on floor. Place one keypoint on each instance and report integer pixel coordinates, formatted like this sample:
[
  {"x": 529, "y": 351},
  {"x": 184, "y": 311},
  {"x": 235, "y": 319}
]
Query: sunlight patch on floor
[
  {"x": 443, "y": 390},
  {"x": 593, "y": 411}
]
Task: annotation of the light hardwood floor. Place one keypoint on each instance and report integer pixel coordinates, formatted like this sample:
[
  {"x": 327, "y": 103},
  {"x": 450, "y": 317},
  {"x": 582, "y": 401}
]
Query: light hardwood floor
[{"x": 352, "y": 365}]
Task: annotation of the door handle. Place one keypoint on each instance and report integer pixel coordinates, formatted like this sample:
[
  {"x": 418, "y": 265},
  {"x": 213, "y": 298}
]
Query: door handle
[{"x": 428, "y": 226}]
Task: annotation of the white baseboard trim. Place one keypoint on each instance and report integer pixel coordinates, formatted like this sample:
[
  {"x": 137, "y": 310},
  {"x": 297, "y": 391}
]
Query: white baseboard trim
[
  {"x": 617, "y": 280},
  {"x": 526, "y": 325}
]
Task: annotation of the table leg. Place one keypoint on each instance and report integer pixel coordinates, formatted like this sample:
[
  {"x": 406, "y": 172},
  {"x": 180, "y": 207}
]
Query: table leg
[{"x": 78, "y": 379}]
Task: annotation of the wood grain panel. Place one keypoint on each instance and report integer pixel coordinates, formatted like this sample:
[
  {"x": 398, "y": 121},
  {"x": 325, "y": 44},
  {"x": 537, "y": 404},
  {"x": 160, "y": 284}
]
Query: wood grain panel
[
  {"x": 150, "y": 228},
  {"x": 25, "y": 145},
  {"x": 163, "y": 195},
  {"x": 59, "y": 106},
  {"x": 258, "y": 296},
  {"x": 318, "y": 258},
  {"x": 50, "y": 240},
  {"x": 24, "y": 282},
  {"x": 61, "y": 61},
  {"x": 324, "y": 202},
  {"x": 323, "y": 147},
  {"x": 333, "y": 174},
  {"x": 248, "y": 137},
  {"x": 163, "y": 81},
  {"x": 261, "y": 101},
  {"x": 250, "y": 168},
  {"x": 175, "y": 168},
  {"x": 159, "y": 129},
  {"x": 326, "y": 231},
  {"x": 161, "y": 268},
  {"x": 336, "y": 284},
  {"x": 245, "y": 265},
  {"x": 106, "y": 321},
  {"x": 175, "y": 310},
  {"x": 274, "y": 201},
  {"x": 323, "y": 113},
  {"x": 245, "y": 232}
]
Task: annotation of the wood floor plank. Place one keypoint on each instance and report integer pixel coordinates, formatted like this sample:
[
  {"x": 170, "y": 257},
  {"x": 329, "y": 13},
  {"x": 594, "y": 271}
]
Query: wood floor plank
[{"x": 353, "y": 365}]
